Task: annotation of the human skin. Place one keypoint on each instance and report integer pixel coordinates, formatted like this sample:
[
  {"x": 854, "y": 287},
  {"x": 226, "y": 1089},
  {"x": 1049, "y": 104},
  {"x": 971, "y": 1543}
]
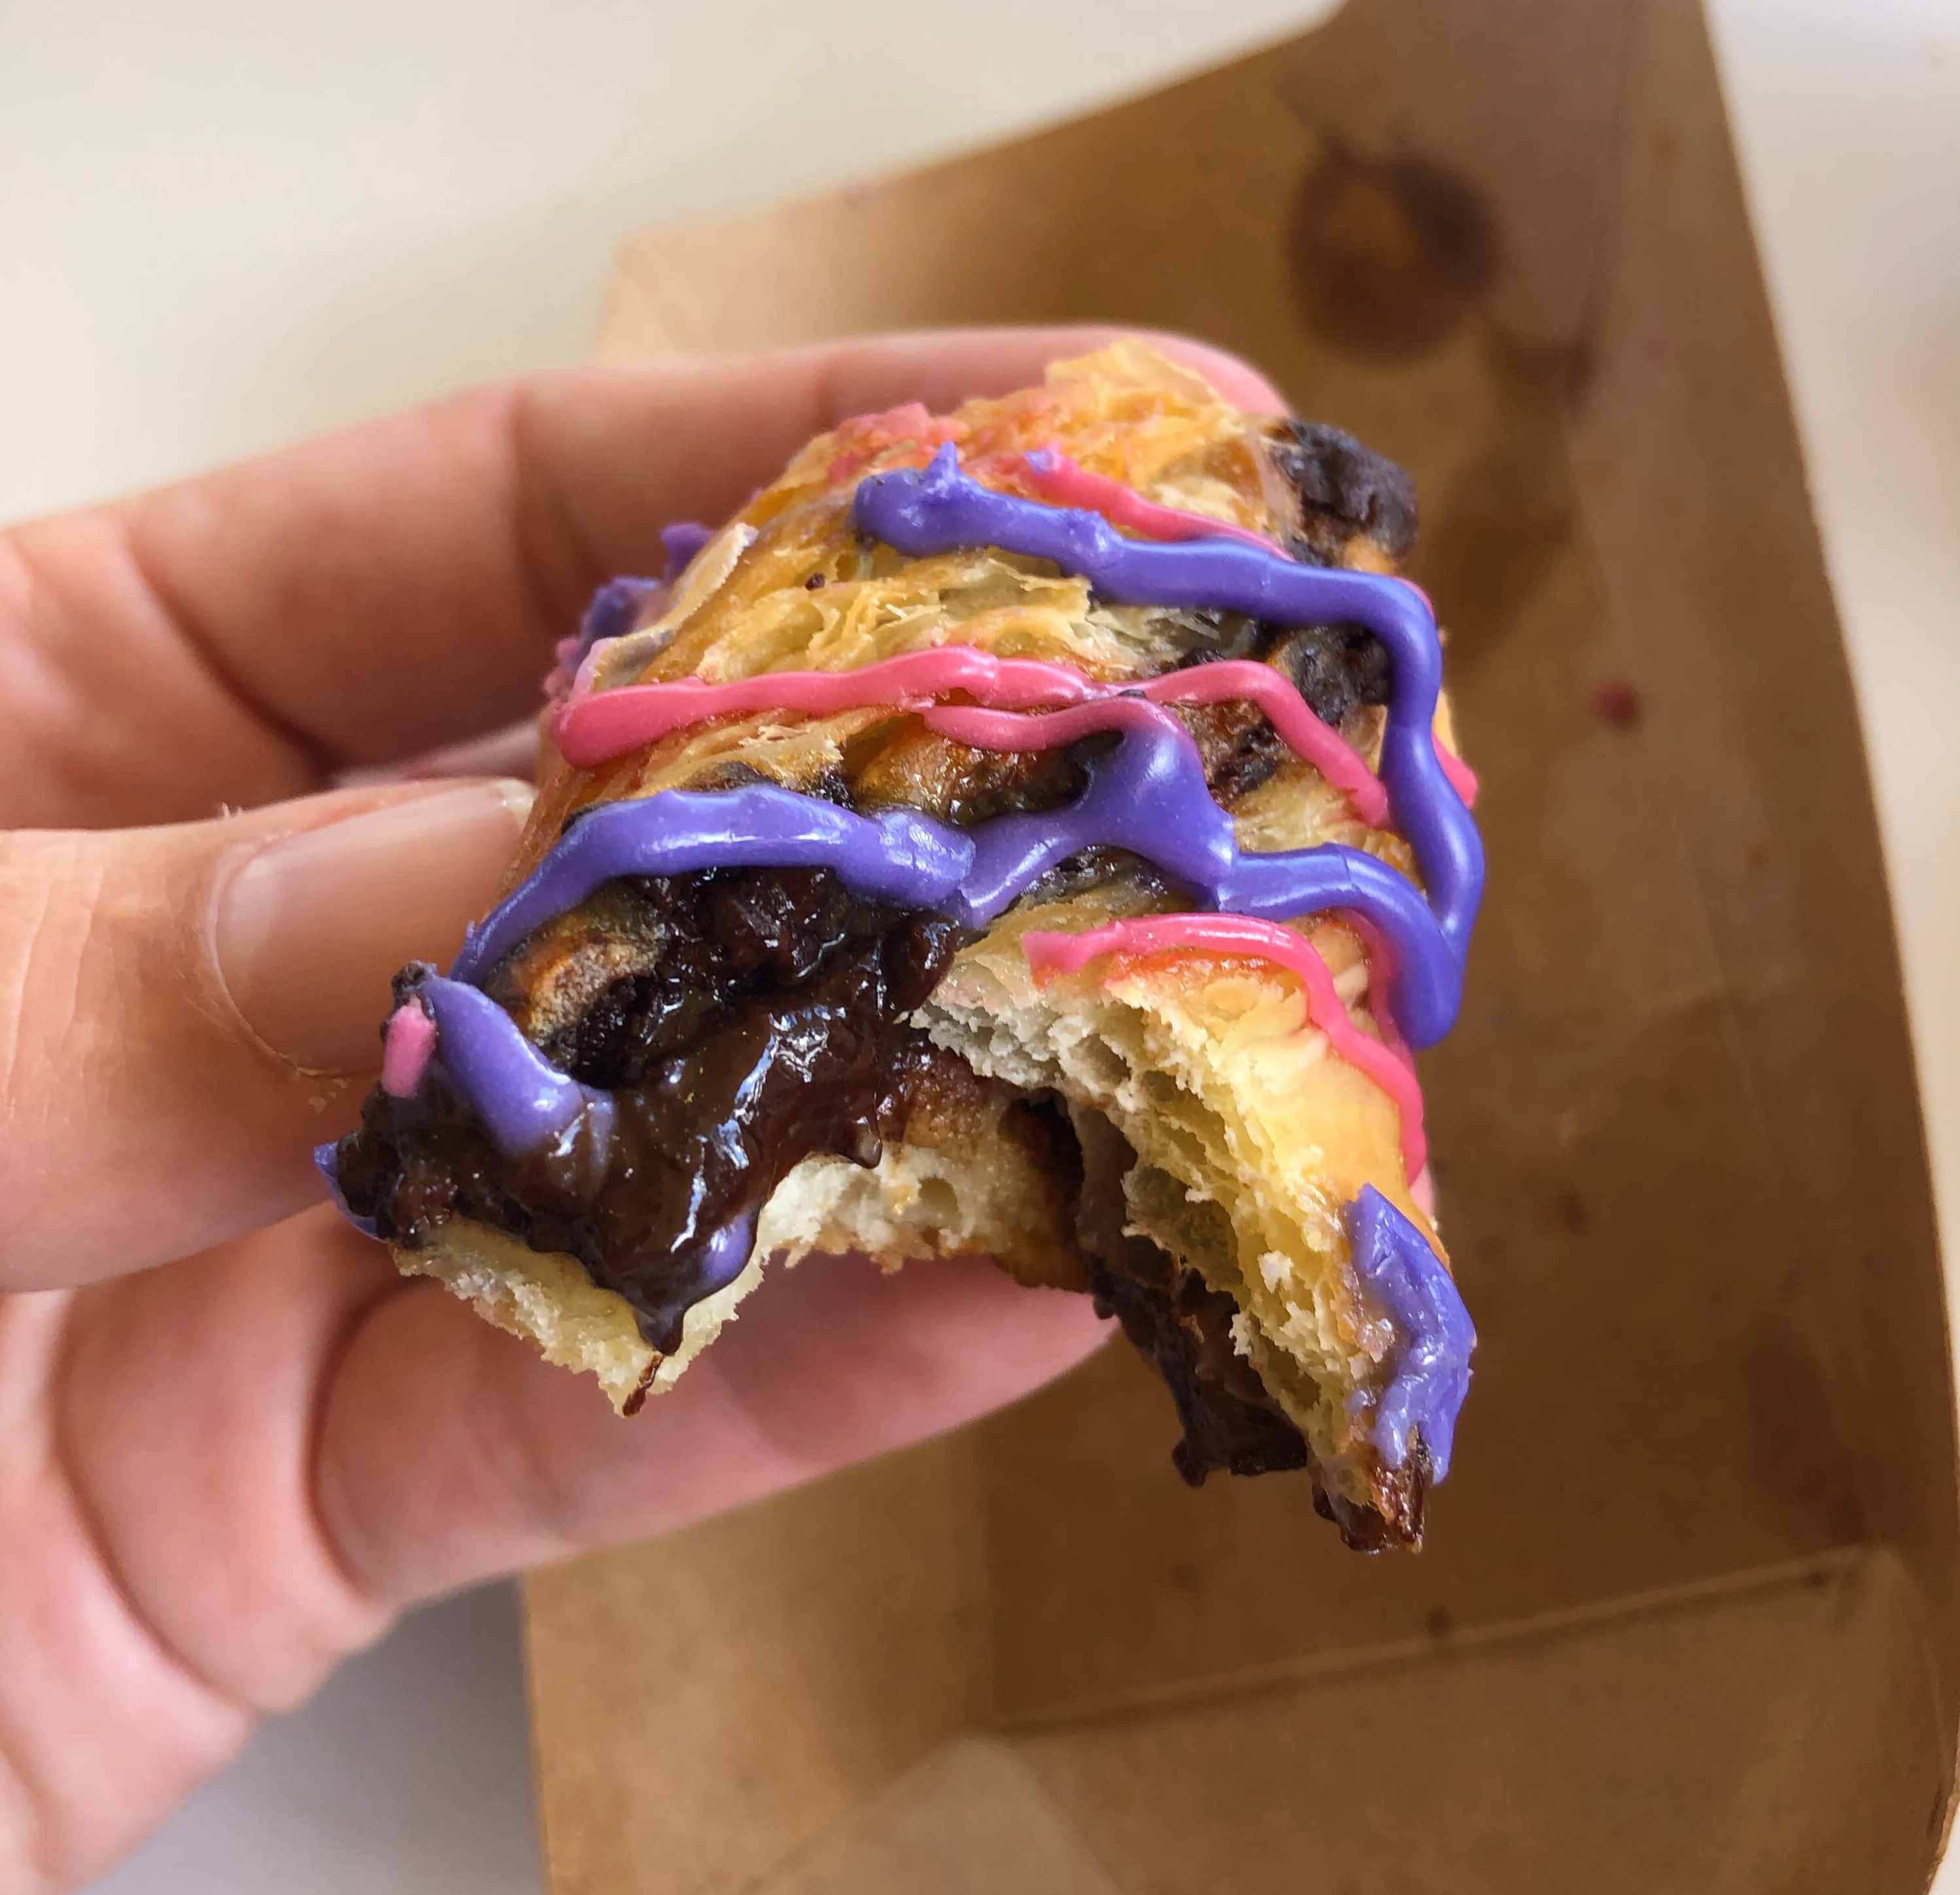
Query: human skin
[{"x": 234, "y": 1443}]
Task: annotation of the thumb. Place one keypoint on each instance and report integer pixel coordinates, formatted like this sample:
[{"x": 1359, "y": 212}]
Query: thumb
[{"x": 182, "y": 1010}]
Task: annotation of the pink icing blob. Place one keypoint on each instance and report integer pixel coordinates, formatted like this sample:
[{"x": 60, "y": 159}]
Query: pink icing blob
[
  {"x": 909, "y": 419},
  {"x": 584, "y": 680},
  {"x": 1388, "y": 1066},
  {"x": 406, "y": 1051},
  {"x": 1056, "y": 478},
  {"x": 593, "y": 727}
]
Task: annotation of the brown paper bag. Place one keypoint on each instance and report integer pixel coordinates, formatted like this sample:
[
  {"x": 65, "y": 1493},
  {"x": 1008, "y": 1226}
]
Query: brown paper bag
[{"x": 1686, "y": 1616}]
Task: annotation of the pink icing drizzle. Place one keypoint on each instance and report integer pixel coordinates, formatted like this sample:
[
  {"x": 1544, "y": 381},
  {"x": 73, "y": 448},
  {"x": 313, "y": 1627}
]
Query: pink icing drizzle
[
  {"x": 1012, "y": 731},
  {"x": 1066, "y": 483},
  {"x": 1289, "y": 714},
  {"x": 594, "y": 726},
  {"x": 406, "y": 1051},
  {"x": 1382, "y": 967},
  {"x": 1389, "y": 1065}
]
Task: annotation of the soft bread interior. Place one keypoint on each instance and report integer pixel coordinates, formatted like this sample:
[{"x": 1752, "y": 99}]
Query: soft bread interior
[
  {"x": 975, "y": 1191},
  {"x": 1249, "y": 1137}
]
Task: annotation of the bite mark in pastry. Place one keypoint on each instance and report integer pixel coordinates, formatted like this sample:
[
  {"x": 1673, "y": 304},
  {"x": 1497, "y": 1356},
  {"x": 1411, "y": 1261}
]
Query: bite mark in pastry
[{"x": 1033, "y": 832}]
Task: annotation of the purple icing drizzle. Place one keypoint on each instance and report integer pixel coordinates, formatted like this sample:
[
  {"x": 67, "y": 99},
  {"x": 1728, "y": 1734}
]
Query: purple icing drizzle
[
  {"x": 525, "y": 1104},
  {"x": 938, "y": 509},
  {"x": 1148, "y": 795},
  {"x": 897, "y": 856},
  {"x": 1430, "y": 1374}
]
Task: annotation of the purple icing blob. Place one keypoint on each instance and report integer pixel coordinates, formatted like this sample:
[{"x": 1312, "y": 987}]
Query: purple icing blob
[
  {"x": 525, "y": 1103},
  {"x": 938, "y": 509},
  {"x": 617, "y": 605},
  {"x": 1429, "y": 1373},
  {"x": 724, "y": 1259},
  {"x": 717, "y": 1262},
  {"x": 681, "y": 540},
  {"x": 611, "y": 615}
]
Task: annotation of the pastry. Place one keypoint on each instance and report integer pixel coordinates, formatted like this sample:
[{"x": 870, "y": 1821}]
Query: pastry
[{"x": 1034, "y": 832}]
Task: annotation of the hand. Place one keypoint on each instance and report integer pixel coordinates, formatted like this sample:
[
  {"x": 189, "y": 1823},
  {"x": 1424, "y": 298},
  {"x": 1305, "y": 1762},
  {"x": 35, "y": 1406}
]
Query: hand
[{"x": 234, "y": 1443}]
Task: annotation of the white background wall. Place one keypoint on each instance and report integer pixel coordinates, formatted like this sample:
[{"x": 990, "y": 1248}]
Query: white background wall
[
  {"x": 227, "y": 223},
  {"x": 223, "y": 223}
]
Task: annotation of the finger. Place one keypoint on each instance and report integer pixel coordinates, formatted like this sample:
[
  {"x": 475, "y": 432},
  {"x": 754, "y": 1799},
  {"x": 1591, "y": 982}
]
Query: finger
[
  {"x": 242, "y": 637},
  {"x": 178, "y": 1006},
  {"x": 224, "y": 1475},
  {"x": 165, "y": 1577},
  {"x": 516, "y": 1463},
  {"x": 398, "y": 1445}
]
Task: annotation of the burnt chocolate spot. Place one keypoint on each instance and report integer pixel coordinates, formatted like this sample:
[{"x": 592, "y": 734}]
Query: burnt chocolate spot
[
  {"x": 1338, "y": 669},
  {"x": 1344, "y": 489},
  {"x": 770, "y": 1029},
  {"x": 1394, "y": 1520},
  {"x": 1240, "y": 748}
]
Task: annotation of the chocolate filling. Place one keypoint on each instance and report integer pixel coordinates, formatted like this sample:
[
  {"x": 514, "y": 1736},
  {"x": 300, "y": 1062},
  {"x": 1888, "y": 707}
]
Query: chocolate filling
[
  {"x": 1179, "y": 1325},
  {"x": 769, "y": 1027},
  {"x": 1185, "y": 1330}
]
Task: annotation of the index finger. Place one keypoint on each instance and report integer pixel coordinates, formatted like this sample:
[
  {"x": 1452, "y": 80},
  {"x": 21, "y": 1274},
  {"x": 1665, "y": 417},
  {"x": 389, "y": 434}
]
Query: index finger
[{"x": 365, "y": 597}]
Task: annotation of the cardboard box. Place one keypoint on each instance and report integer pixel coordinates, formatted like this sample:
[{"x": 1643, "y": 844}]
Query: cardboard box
[{"x": 1686, "y": 1619}]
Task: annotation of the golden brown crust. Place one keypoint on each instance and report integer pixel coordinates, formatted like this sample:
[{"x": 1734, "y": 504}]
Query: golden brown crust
[{"x": 1249, "y": 1134}]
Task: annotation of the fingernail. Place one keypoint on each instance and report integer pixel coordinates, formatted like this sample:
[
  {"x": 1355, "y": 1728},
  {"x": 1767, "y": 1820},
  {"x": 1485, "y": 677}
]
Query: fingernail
[{"x": 310, "y": 931}]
